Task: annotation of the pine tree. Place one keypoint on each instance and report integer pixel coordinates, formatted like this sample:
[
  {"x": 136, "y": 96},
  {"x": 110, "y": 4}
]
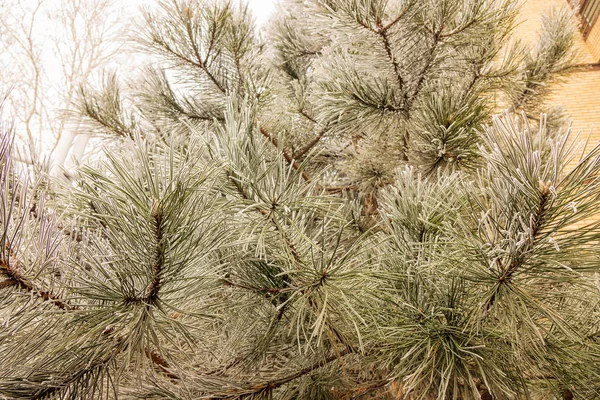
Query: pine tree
[{"x": 333, "y": 212}]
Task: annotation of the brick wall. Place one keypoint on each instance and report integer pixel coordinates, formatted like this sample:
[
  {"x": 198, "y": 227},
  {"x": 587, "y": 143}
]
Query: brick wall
[
  {"x": 580, "y": 97},
  {"x": 530, "y": 21},
  {"x": 579, "y": 94},
  {"x": 593, "y": 41}
]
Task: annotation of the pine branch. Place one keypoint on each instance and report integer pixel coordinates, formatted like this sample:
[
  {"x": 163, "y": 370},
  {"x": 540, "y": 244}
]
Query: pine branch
[
  {"x": 274, "y": 384},
  {"x": 307, "y": 116},
  {"x": 458, "y": 30},
  {"x": 161, "y": 363},
  {"x": 430, "y": 58},
  {"x": 309, "y": 146},
  {"x": 211, "y": 40},
  {"x": 338, "y": 189},
  {"x": 313, "y": 142},
  {"x": 377, "y": 106},
  {"x": 364, "y": 389},
  {"x": 385, "y": 264},
  {"x": 508, "y": 271},
  {"x": 160, "y": 98},
  {"x": 391, "y": 24},
  {"x": 91, "y": 368},
  {"x": 181, "y": 56},
  {"x": 255, "y": 289},
  {"x": 12, "y": 270},
  {"x": 105, "y": 108},
  {"x": 151, "y": 295},
  {"x": 97, "y": 214},
  {"x": 265, "y": 291},
  {"x": 119, "y": 129},
  {"x": 286, "y": 155},
  {"x": 288, "y": 241},
  {"x": 11, "y": 267},
  {"x": 383, "y": 34},
  {"x": 200, "y": 62}
]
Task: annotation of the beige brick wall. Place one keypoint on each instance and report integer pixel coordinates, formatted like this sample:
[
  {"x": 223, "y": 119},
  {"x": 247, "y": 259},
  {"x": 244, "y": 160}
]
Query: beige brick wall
[
  {"x": 578, "y": 94},
  {"x": 593, "y": 41},
  {"x": 530, "y": 22}
]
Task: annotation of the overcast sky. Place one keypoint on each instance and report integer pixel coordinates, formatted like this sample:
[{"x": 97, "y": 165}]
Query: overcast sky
[
  {"x": 44, "y": 28},
  {"x": 262, "y": 9}
]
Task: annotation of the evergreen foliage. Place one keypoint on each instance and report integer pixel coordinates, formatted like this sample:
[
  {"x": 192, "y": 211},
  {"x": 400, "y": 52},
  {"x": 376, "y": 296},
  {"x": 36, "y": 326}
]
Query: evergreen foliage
[{"x": 331, "y": 213}]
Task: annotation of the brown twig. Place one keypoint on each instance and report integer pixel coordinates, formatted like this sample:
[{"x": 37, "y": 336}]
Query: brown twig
[
  {"x": 201, "y": 63},
  {"x": 382, "y": 32},
  {"x": 309, "y": 145},
  {"x": 313, "y": 142},
  {"x": 363, "y": 389},
  {"x": 52, "y": 390},
  {"x": 151, "y": 295},
  {"x": 337, "y": 189},
  {"x": 288, "y": 241},
  {"x": 286, "y": 155},
  {"x": 508, "y": 271},
  {"x": 11, "y": 267},
  {"x": 257, "y": 388},
  {"x": 255, "y": 289},
  {"x": 161, "y": 363}
]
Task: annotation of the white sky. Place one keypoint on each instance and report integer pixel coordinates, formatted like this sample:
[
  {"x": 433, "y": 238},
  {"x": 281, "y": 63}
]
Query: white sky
[{"x": 262, "y": 9}]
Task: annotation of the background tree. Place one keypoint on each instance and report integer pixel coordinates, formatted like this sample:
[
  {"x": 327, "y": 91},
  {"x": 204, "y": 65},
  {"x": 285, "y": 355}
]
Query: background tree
[
  {"x": 50, "y": 49},
  {"x": 211, "y": 255}
]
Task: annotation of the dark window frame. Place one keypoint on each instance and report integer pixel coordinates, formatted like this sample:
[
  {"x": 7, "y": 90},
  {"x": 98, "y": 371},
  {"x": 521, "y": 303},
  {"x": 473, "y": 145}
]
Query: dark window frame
[{"x": 588, "y": 12}]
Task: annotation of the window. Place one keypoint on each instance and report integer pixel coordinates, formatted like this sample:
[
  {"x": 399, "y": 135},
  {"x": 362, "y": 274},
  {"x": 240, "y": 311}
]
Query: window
[{"x": 589, "y": 11}]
